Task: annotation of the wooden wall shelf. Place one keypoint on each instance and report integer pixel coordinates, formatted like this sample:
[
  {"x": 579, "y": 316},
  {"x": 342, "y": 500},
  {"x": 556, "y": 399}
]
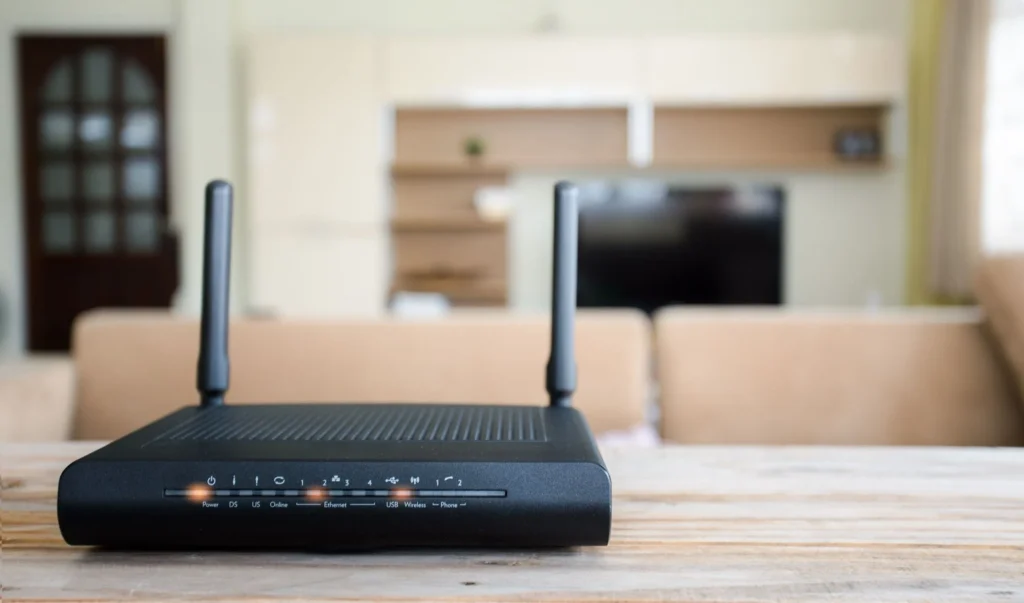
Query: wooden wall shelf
[
  {"x": 513, "y": 137},
  {"x": 479, "y": 254},
  {"x": 761, "y": 137},
  {"x": 445, "y": 224},
  {"x": 440, "y": 196},
  {"x": 796, "y": 163},
  {"x": 482, "y": 292},
  {"x": 447, "y": 170},
  {"x": 441, "y": 244},
  {"x": 470, "y": 170}
]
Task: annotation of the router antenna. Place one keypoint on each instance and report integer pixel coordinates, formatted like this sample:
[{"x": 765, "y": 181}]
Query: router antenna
[
  {"x": 561, "y": 369},
  {"x": 213, "y": 372}
]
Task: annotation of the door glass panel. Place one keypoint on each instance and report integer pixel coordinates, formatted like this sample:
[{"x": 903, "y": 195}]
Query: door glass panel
[
  {"x": 97, "y": 75},
  {"x": 98, "y": 181},
  {"x": 57, "y": 129},
  {"x": 99, "y": 231},
  {"x": 141, "y": 129},
  {"x": 94, "y": 129},
  {"x": 58, "y": 231},
  {"x": 57, "y": 87},
  {"x": 141, "y": 234},
  {"x": 137, "y": 87},
  {"x": 57, "y": 181},
  {"x": 141, "y": 179}
]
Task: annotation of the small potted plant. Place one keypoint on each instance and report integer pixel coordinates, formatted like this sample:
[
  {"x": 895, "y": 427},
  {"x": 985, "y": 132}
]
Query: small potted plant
[{"x": 474, "y": 148}]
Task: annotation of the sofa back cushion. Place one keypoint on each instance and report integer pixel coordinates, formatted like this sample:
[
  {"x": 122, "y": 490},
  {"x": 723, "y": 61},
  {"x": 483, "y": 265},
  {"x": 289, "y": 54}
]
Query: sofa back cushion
[
  {"x": 999, "y": 287},
  {"x": 924, "y": 377},
  {"x": 134, "y": 367}
]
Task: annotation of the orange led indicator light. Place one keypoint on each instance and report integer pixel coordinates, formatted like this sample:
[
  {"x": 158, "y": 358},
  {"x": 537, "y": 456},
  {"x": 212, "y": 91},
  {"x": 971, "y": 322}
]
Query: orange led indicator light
[
  {"x": 198, "y": 493},
  {"x": 401, "y": 493},
  {"x": 316, "y": 494}
]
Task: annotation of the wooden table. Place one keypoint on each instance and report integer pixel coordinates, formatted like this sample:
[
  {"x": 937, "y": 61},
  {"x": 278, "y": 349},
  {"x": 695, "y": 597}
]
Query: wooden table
[{"x": 694, "y": 524}]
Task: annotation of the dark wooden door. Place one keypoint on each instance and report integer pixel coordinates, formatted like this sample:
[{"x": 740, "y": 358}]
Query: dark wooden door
[{"x": 94, "y": 179}]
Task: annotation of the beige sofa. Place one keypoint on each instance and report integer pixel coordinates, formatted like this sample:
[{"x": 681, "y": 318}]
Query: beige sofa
[
  {"x": 908, "y": 376},
  {"x": 133, "y": 367},
  {"x": 924, "y": 377}
]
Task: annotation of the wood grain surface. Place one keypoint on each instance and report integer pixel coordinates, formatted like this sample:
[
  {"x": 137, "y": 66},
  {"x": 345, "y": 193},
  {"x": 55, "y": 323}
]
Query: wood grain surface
[{"x": 690, "y": 524}]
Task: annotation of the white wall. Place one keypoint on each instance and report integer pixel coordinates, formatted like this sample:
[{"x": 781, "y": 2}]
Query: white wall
[
  {"x": 574, "y": 16},
  {"x": 205, "y": 143},
  {"x": 12, "y": 286},
  {"x": 206, "y": 109}
]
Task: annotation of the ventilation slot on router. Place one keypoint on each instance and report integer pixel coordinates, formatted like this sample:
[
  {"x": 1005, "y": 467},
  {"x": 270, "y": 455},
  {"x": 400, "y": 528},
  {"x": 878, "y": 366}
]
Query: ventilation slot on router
[{"x": 413, "y": 423}]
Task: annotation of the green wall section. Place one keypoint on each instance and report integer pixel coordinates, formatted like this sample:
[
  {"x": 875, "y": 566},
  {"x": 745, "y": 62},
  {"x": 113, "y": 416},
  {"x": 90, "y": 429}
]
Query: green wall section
[{"x": 925, "y": 37}]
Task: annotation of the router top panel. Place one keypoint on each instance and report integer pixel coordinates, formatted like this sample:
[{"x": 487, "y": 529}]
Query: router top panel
[{"x": 362, "y": 432}]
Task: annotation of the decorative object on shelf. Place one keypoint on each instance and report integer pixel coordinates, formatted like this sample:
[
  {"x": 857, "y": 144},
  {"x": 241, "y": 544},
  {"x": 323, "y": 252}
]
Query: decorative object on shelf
[
  {"x": 474, "y": 147},
  {"x": 858, "y": 144},
  {"x": 493, "y": 203},
  {"x": 411, "y": 304}
]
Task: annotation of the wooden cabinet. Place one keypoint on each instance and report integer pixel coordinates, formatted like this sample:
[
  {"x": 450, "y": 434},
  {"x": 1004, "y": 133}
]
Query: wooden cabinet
[
  {"x": 795, "y": 69},
  {"x": 428, "y": 194},
  {"x": 510, "y": 71},
  {"x": 316, "y": 147},
  {"x": 468, "y": 266},
  {"x": 320, "y": 272},
  {"x": 317, "y": 177},
  {"x": 455, "y": 253},
  {"x": 560, "y": 71},
  {"x": 440, "y": 242}
]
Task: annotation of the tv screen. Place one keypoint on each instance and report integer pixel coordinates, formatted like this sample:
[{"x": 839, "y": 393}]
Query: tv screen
[{"x": 650, "y": 246}]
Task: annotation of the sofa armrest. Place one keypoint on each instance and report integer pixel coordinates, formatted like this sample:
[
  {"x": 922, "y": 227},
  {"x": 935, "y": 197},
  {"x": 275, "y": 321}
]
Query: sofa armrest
[
  {"x": 921, "y": 377},
  {"x": 999, "y": 287},
  {"x": 36, "y": 399}
]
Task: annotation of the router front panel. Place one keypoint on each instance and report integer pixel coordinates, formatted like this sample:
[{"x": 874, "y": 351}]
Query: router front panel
[{"x": 335, "y": 504}]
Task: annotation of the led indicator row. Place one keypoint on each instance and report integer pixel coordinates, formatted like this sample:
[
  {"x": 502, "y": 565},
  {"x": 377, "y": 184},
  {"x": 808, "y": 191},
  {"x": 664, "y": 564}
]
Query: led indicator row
[{"x": 204, "y": 493}]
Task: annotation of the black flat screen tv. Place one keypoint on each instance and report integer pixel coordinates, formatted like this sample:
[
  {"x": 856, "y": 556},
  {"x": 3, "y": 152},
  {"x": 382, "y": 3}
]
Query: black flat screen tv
[{"x": 652, "y": 246}]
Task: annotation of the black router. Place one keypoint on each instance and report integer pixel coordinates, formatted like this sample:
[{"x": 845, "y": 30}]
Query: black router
[{"x": 348, "y": 475}]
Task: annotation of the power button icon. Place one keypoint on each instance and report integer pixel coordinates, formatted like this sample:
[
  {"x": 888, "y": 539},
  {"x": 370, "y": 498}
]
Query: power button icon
[{"x": 211, "y": 480}]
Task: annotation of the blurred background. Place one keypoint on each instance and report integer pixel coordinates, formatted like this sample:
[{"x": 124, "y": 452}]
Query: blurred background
[{"x": 856, "y": 159}]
